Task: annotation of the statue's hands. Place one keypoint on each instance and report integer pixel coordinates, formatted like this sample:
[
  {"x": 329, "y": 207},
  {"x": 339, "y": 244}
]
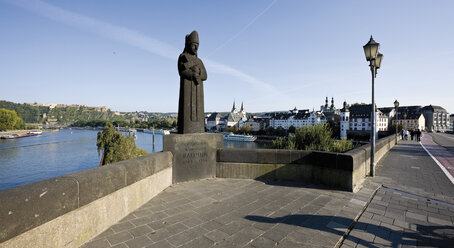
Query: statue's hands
[
  {"x": 196, "y": 70},
  {"x": 197, "y": 79}
]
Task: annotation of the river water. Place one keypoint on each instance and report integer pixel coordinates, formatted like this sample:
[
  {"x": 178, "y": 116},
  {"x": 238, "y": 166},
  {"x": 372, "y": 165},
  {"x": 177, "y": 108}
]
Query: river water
[{"x": 52, "y": 154}]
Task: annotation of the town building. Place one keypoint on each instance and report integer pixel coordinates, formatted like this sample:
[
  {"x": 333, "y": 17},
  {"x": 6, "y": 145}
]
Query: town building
[
  {"x": 214, "y": 121},
  {"x": 344, "y": 121},
  {"x": 235, "y": 117},
  {"x": 253, "y": 125},
  {"x": 360, "y": 120},
  {"x": 437, "y": 118},
  {"x": 297, "y": 118},
  {"x": 329, "y": 108},
  {"x": 451, "y": 120},
  {"x": 390, "y": 112},
  {"x": 411, "y": 120}
]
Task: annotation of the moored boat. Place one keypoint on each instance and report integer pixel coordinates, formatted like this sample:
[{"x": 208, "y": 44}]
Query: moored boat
[
  {"x": 239, "y": 137},
  {"x": 35, "y": 132},
  {"x": 9, "y": 136},
  {"x": 157, "y": 131}
]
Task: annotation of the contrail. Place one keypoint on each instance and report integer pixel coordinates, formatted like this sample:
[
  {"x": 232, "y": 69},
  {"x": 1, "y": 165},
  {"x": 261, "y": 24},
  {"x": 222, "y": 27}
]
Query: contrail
[
  {"x": 243, "y": 29},
  {"x": 130, "y": 37}
]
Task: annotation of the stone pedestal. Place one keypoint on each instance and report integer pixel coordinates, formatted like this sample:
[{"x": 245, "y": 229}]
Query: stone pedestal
[{"x": 194, "y": 155}]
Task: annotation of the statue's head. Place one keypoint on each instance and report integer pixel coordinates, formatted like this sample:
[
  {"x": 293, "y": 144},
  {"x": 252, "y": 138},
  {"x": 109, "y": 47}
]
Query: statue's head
[{"x": 192, "y": 43}]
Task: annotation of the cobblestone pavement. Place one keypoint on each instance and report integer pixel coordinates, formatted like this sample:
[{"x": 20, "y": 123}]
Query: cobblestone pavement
[
  {"x": 414, "y": 207},
  {"x": 237, "y": 213}
]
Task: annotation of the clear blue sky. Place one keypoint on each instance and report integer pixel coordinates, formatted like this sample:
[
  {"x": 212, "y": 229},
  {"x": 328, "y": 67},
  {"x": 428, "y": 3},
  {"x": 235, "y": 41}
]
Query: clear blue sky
[{"x": 273, "y": 55}]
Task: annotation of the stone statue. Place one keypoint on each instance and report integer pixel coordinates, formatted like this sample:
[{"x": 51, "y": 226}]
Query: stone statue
[{"x": 192, "y": 74}]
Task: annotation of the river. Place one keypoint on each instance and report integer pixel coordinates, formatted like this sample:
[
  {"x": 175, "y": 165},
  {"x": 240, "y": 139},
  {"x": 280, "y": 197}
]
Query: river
[{"x": 52, "y": 154}]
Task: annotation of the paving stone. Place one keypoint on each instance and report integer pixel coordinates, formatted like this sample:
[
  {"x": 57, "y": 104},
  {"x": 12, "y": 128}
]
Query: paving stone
[
  {"x": 139, "y": 242},
  {"x": 262, "y": 242},
  {"x": 141, "y": 230},
  {"x": 200, "y": 242},
  {"x": 122, "y": 245},
  {"x": 287, "y": 243},
  {"x": 231, "y": 228},
  {"x": 142, "y": 213},
  {"x": 191, "y": 222},
  {"x": 402, "y": 224},
  {"x": 303, "y": 236},
  {"x": 159, "y": 235},
  {"x": 156, "y": 225},
  {"x": 119, "y": 237},
  {"x": 217, "y": 236},
  {"x": 161, "y": 244},
  {"x": 99, "y": 243},
  {"x": 362, "y": 235},
  {"x": 211, "y": 225},
  {"x": 176, "y": 228},
  {"x": 382, "y": 218},
  {"x": 185, "y": 236},
  {"x": 446, "y": 222},
  {"x": 275, "y": 235},
  {"x": 122, "y": 226}
]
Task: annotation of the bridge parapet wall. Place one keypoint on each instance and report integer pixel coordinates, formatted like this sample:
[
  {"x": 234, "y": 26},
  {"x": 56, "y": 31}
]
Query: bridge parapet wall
[
  {"x": 339, "y": 170},
  {"x": 68, "y": 211}
]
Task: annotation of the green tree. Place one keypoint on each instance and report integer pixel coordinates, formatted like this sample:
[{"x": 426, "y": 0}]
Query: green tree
[
  {"x": 248, "y": 128},
  {"x": 292, "y": 129},
  {"x": 9, "y": 119},
  {"x": 116, "y": 147},
  {"x": 317, "y": 137}
]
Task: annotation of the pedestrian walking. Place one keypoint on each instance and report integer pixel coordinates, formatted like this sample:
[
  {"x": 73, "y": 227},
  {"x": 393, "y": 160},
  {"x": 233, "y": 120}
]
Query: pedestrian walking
[
  {"x": 402, "y": 134},
  {"x": 418, "y": 135},
  {"x": 412, "y": 134},
  {"x": 405, "y": 134}
]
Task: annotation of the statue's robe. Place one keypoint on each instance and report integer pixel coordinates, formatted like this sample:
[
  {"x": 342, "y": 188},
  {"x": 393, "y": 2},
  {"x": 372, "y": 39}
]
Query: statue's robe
[{"x": 191, "y": 117}]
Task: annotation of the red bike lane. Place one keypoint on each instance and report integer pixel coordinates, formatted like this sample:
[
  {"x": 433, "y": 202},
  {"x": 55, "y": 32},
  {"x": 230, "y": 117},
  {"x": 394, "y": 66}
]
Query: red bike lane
[{"x": 443, "y": 157}]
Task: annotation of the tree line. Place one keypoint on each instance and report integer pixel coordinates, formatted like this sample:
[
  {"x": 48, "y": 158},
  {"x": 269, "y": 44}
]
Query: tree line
[
  {"x": 10, "y": 120},
  {"x": 164, "y": 123}
]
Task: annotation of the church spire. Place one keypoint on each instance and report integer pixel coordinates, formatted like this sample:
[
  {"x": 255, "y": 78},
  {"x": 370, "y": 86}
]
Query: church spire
[
  {"x": 332, "y": 102},
  {"x": 242, "y": 109},
  {"x": 326, "y": 102}
]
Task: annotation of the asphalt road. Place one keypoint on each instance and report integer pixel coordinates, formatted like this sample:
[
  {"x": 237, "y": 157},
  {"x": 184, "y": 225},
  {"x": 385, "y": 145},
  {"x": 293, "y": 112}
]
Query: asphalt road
[{"x": 444, "y": 139}]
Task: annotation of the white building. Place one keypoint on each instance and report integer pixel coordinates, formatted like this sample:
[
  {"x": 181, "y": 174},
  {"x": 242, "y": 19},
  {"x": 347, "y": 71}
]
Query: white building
[
  {"x": 437, "y": 118},
  {"x": 359, "y": 120},
  {"x": 235, "y": 117},
  {"x": 297, "y": 118},
  {"x": 214, "y": 120},
  {"x": 344, "y": 121},
  {"x": 411, "y": 121}
]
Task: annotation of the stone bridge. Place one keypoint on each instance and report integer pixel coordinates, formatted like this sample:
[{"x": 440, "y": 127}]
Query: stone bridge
[{"x": 161, "y": 196}]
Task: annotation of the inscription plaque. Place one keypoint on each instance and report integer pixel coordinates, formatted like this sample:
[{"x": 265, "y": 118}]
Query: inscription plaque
[{"x": 194, "y": 155}]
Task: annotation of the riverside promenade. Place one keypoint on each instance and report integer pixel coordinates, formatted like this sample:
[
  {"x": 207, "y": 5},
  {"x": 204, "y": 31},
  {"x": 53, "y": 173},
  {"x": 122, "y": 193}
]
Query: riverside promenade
[{"x": 409, "y": 203}]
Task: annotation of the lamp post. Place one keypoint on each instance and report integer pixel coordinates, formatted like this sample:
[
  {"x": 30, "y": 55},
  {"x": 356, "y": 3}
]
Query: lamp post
[
  {"x": 374, "y": 58},
  {"x": 396, "y": 105}
]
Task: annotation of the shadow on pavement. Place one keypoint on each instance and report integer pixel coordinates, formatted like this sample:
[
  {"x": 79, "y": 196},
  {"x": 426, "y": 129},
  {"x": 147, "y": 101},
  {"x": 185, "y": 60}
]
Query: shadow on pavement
[{"x": 426, "y": 235}]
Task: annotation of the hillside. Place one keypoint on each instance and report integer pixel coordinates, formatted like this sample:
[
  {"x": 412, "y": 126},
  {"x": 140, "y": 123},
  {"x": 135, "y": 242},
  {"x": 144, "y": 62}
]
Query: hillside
[{"x": 58, "y": 115}]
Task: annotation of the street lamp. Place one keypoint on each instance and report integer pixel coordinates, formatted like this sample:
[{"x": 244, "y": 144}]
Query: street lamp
[
  {"x": 396, "y": 105},
  {"x": 374, "y": 58}
]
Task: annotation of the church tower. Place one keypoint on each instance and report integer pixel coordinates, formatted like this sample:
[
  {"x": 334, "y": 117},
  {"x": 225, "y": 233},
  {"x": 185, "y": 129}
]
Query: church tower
[
  {"x": 234, "y": 108},
  {"x": 344, "y": 121}
]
